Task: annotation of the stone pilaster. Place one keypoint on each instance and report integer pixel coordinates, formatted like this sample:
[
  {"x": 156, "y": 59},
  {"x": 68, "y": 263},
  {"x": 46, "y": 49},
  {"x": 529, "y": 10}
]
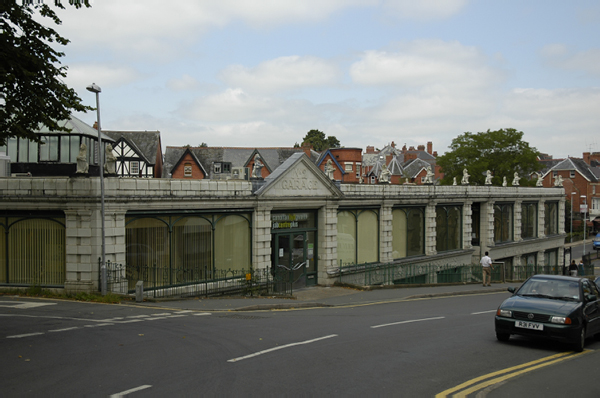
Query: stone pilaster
[
  {"x": 487, "y": 225},
  {"x": 541, "y": 219},
  {"x": 561, "y": 216},
  {"x": 327, "y": 243},
  {"x": 467, "y": 225},
  {"x": 517, "y": 217},
  {"x": 81, "y": 275},
  {"x": 430, "y": 229},
  {"x": 385, "y": 233},
  {"x": 261, "y": 238}
]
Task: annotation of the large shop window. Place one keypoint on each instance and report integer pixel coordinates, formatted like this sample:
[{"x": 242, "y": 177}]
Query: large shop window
[
  {"x": 358, "y": 236},
  {"x": 528, "y": 220},
  {"x": 503, "y": 222},
  {"x": 448, "y": 227},
  {"x": 408, "y": 232},
  {"x": 199, "y": 246},
  {"x": 33, "y": 251},
  {"x": 551, "y": 218}
]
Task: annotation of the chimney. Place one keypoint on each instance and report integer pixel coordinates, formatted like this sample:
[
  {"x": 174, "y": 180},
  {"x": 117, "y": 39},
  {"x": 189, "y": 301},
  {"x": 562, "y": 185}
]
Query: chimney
[
  {"x": 430, "y": 147},
  {"x": 95, "y": 126},
  {"x": 421, "y": 148},
  {"x": 370, "y": 149},
  {"x": 586, "y": 157},
  {"x": 393, "y": 144},
  {"x": 306, "y": 147}
]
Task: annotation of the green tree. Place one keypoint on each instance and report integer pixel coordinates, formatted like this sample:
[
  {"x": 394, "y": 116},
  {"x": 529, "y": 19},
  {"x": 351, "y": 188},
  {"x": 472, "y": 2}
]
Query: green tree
[
  {"x": 31, "y": 89},
  {"x": 319, "y": 142},
  {"x": 503, "y": 152}
]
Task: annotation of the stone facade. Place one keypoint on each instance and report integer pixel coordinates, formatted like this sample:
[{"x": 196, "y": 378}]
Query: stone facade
[{"x": 298, "y": 185}]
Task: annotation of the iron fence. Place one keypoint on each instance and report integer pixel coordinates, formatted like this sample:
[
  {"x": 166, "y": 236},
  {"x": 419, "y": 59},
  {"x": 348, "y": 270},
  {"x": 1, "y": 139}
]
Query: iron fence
[
  {"x": 163, "y": 282},
  {"x": 418, "y": 274}
]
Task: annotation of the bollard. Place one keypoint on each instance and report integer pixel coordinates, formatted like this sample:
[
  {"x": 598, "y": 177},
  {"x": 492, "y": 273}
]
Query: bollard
[{"x": 139, "y": 291}]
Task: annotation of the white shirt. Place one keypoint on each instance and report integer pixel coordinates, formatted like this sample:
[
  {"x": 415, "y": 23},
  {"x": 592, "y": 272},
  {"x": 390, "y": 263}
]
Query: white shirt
[{"x": 486, "y": 261}]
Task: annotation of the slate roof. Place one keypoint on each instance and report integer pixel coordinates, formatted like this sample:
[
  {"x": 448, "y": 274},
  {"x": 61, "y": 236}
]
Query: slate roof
[
  {"x": 77, "y": 126},
  {"x": 413, "y": 167},
  {"x": 238, "y": 157},
  {"x": 147, "y": 143},
  {"x": 588, "y": 172}
]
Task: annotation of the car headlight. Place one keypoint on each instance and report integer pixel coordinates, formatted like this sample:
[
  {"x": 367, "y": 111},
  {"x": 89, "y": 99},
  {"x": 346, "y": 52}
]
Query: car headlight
[
  {"x": 504, "y": 313},
  {"x": 563, "y": 320}
]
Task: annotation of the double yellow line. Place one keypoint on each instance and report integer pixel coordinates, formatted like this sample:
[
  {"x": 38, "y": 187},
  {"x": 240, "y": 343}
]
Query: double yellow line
[{"x": 484, "y": 381}]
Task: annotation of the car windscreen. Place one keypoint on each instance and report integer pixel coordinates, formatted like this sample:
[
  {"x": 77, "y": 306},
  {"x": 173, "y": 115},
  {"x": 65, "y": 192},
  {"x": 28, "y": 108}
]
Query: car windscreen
[{"x": 550, "y": 288}]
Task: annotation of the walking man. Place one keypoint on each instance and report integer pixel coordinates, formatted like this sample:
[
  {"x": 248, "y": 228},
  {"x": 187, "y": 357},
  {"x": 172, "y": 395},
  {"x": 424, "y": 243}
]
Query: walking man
[{"x": 486, "y": 266}]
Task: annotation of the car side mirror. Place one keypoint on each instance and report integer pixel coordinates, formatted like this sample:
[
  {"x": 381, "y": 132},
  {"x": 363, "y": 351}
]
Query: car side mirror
[
  {"x": 512, "y": 290},
  {"x": 591, "y": 297}
]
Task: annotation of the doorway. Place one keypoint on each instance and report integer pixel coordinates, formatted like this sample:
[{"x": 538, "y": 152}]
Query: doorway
[{"x": 290, "y": 257}]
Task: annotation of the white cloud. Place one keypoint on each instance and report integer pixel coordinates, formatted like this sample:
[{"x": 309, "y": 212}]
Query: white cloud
[
  {"x": 80, "y": 75},
  {"x": 426, "y": 62},
  {"x": 186, "y": 82},
  {"x": 563, "y": 57},
  {"x": 282, "y": 73},
  {"x": 423, "y": 9}
]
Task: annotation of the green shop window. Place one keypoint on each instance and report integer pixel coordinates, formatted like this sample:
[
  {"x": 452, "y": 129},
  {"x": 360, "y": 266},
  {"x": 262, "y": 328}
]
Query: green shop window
[
  {"x": 358, "y": 236},
  {"x": 448, "y": 222},
  {"x": 408, "y": 232}
]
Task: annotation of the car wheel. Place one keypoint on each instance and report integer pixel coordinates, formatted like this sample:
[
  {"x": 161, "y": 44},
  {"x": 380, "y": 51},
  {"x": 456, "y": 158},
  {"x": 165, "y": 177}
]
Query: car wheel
[
  {"x": 580, "y": 343},
  {"x": 502, "y": 336}
]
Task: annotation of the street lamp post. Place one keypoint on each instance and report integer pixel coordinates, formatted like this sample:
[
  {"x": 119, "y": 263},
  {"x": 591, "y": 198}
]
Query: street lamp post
[
  {"x": 96, "y": 89},
  {"x": 584, "y": 220},
  {"x": 572, "y": 193}
]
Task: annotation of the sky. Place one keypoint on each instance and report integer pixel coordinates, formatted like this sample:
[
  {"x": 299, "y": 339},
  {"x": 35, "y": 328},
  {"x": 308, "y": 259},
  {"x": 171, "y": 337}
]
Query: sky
[{"x": 262, "y": 73}]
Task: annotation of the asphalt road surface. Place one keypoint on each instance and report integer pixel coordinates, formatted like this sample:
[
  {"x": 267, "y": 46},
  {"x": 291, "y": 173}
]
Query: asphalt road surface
[{"x": 418, "y": 348}]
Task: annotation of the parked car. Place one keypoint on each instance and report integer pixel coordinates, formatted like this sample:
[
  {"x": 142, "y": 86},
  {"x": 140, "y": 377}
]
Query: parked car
[
  {"x": 554, "y": 307},
  {"x": 596, "y": 242}
]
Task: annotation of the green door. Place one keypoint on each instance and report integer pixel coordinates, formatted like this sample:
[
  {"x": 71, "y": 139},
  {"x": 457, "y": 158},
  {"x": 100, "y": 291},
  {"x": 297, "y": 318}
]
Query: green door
[{"x": 289, "y": 257}]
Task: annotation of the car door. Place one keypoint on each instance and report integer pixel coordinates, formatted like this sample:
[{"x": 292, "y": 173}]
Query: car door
[{"x": 591, "y": 310}]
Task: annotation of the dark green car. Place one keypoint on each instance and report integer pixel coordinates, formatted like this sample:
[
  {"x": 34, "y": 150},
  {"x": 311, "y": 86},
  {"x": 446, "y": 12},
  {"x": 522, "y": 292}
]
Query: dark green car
[{"x": 554, "y": 307}]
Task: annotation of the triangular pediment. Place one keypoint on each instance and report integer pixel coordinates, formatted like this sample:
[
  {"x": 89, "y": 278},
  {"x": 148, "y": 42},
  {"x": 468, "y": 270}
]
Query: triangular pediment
[{"x": 298, "y": 176}]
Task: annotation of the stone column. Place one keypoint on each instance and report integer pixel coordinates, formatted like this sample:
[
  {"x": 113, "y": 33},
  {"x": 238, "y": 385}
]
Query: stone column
[
  {"x": 561, "y": 215},
  {"x": 327, "y": 256},
  {"x": 541, "y": 219},
  {"x": 517, "y": 217},
  {"x": 487, "y": 225},
  {"x": 261, "y": 238},
  {"x": 430, "y": 229},
  {"x": 385, "y": 233},
  {"x": 81, "y": 264},
  {"x": 467, "y": 225}
]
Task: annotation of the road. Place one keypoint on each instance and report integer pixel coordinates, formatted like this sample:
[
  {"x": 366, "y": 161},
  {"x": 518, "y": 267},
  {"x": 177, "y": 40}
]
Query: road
[{"x": 415, "y": 348}]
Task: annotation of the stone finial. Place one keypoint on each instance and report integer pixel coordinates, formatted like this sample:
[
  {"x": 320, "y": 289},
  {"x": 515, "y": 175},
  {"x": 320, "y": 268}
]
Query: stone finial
[
  {"x": 558, "y": 181},
  {"x": 429, "y": 176},
  {"x": 385, "y": 174},
  {"x": 454, "y": 181},
  {"x": 257, "y": 168},
  {"x": 82, "y": 162},
  {"x": 488, "y": 178},
  {"x": 516, "y": 179},
  {"x": 110, "y": 166},
  {"x": 465, "y": 178},
  {"x": 540, "y": 181},
  {"x": 504, "y": 183},
  {"x": 329, "y": 169}
]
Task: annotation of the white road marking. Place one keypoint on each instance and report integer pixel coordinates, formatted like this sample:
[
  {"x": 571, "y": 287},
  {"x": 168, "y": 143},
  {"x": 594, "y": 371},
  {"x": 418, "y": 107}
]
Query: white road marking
[
  {"x": 133, "y": 320},
  {"x": 183, "y": 312},
  {"x": 482, "y": 312},
  {"x": 19, "y": 336},
  {"x": 64, "y": 330},
  {"x": 123, "y": 393},
  {"x": 411, "y": 321},
  {"x": 22, "y": 305},
  {"x": 281, "y": 348},
  {"x": 97, "y": 325},
  {"x": 138, "y": 316},
  {"x": 202, "y": 314}
]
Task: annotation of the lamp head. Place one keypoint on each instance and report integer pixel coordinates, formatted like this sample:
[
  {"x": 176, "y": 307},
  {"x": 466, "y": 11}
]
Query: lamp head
[{"x": 94, "y": 88}]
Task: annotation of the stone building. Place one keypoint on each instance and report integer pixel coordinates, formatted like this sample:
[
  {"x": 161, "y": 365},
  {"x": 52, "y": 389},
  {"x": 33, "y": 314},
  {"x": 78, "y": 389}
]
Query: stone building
[{"x": 296, "y": 216}]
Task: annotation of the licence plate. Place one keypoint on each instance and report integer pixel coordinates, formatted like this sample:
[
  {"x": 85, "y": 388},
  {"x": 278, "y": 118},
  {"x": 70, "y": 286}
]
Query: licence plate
[{"x": 529, "y": 325}]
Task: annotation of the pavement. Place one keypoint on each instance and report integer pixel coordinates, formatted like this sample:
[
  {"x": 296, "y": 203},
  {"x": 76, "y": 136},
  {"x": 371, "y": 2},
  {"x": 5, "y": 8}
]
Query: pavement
[{"x": 334, "y": 296}]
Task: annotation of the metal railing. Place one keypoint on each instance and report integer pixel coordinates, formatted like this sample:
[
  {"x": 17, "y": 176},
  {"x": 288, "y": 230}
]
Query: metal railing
[
  {"x": 163, "y": 282},
  {"x": 420, "y": 274}
]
